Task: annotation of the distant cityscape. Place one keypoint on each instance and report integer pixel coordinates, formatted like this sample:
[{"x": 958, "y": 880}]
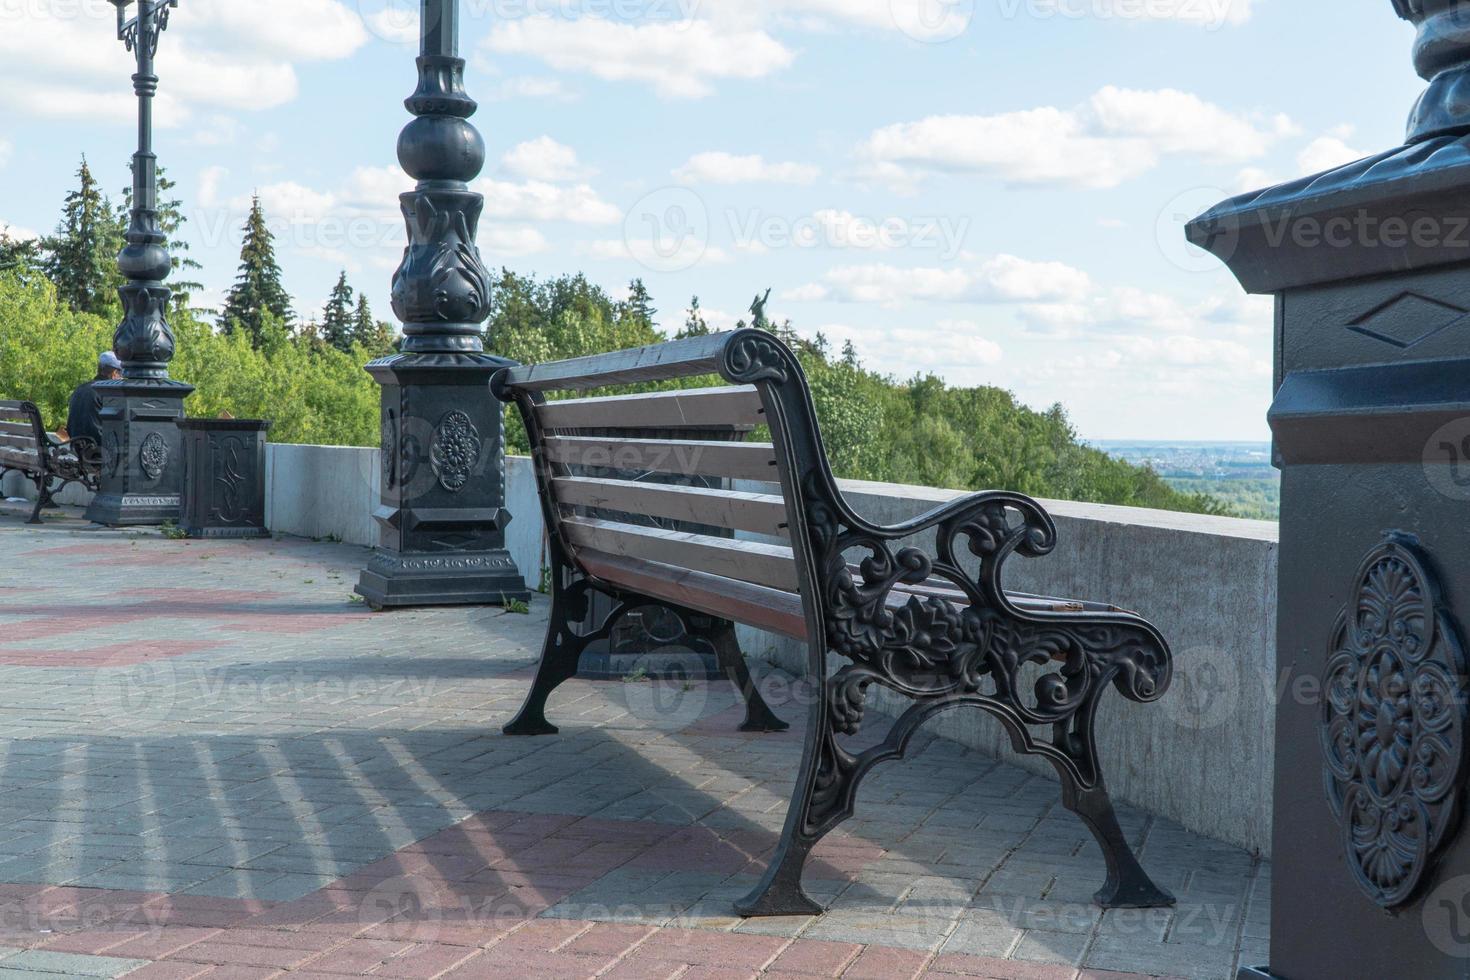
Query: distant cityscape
[{"x": 1238, "y": 474}]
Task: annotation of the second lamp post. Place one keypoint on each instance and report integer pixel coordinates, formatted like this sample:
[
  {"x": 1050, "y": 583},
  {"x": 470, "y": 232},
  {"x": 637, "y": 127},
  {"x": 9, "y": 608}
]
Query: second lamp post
[{"x": 442, "y": 512}]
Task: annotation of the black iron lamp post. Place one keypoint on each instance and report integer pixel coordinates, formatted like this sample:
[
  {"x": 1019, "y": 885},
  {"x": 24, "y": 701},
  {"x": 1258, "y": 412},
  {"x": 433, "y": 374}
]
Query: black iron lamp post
[
  {"x": 142, "y": 467},
  {"x": 1370, "y": 267},
  {"x": 442, "y": 516}
]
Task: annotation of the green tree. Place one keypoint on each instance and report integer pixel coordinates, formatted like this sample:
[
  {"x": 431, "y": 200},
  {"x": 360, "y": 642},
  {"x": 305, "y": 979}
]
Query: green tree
[
  {"x": 374, "y": 336},
  {"x": 171, "y": 219},
  {"x": 19, "y": 256},
  {"x": 694, "y": 324},
  {"x": 639, "y": 305},
  {"x": 81, "y": 257},
  {"x": 337, "y": 316},
  {"x": 257, "y": 290}
]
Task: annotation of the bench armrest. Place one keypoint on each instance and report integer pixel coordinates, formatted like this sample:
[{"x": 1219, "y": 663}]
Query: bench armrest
[{"x": 936, "y": 635}]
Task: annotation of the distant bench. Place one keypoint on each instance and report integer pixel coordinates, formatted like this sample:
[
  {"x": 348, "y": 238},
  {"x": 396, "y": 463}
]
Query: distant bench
[
  {"x": 940, "y": 629},
  {"x": 27, "y": 448}
]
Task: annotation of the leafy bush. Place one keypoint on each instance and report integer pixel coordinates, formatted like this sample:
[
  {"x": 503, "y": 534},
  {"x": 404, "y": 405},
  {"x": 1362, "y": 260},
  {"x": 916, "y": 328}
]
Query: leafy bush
[
  {"x": 313, "y": 394},
  {"x": 920, "y": 431}
]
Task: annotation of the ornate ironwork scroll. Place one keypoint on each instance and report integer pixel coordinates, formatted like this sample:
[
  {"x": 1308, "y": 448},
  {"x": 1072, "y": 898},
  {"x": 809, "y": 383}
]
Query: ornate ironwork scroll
[
  {"x": 455, "y": 451},
  {"x": 1393, "y": 723},
  {"x": 153, "y": 455}
]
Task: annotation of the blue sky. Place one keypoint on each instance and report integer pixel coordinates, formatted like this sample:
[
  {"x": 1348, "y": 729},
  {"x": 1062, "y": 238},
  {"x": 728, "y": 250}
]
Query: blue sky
[{"x": 991, "y": 190}]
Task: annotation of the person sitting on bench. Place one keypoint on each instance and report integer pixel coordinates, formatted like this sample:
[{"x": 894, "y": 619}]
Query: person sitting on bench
[{"x": 84, "y": 411}]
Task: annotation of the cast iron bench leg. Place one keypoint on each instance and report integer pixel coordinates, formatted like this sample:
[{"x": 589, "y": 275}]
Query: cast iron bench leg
[
  {"x": 560, "y": 653},
  {"x": 1128, "y": 886},
  {"x": 758, "y": 715},
  {"x": 826, "y": 791},
  {"x": 43, "y": 499}
]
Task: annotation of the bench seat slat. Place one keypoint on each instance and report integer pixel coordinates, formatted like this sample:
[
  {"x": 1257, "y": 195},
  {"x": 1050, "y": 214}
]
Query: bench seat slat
[
  {"x": 675, "y": 359},
  {"x": 749, "y": 561},
  {"x": 737, "y": 460},
  {"x": 16, "y": 439},
  {"x": 699, "y": 407},
  {"x": 756, "y": 512},
  {"x": 713, "y": 595},
  {"x": 19, "y": 428},
  {"x": 19, "y": 457}
]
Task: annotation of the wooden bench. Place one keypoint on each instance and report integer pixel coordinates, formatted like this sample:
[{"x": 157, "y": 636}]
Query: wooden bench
[
  {"x": 934, "y": 625},
  {"x": 26, "y": 447}
]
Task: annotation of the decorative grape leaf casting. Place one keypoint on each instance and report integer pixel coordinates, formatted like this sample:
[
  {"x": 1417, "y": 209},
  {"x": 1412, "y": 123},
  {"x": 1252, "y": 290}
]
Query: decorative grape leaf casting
[
  {"x": 1393, "y": 724},
  {"x": 964, "y": 641},
  {"x": 455, "y": 451}
]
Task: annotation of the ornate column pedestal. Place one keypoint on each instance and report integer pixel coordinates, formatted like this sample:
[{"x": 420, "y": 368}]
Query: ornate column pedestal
[
  {"x": 142, "y": 452},
  {"x": 442, "y": 514},
  {"x": 1370, "y": 266}
]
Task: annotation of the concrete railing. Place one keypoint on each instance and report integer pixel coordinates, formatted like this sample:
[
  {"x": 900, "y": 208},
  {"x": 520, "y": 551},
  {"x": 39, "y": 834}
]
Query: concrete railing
[{"x": 1202, "y": 756}]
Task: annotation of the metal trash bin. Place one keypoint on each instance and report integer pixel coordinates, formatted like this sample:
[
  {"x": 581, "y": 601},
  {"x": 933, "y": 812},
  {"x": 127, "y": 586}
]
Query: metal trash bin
[{"x": 224, "y": 478}]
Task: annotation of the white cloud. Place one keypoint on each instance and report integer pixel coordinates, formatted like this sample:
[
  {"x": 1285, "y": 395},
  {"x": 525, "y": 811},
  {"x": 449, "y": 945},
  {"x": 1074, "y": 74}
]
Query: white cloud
[
  {"x": 689, "y": 252},
  {"x": 1000, "y": 279},
  {"x": 1114, "y": 136},
  {"x": 1254, "y": 179},
  {"x": 962, "y": 352},
  {"x": 678, "y": 59},
  {"x": 529, "y": 87},
  {"x": 210, "y": 179},
  {"x": 1328, "y": 152},
  {"x": 537, "y": 200},
  {"x": 217, "y": 129},
  {"x": 394, "y": 24},
  {"x": 219, "y": 53},
  {"x": 717, "y": 167},
  {"x": 5, "y": 149},
  {"x": 544, "y": 158},
  {"x": 510, "y": 241},
  {"x": 17, "y": 232},
  {"x": 928, "y": 20},
  {"x": 1128, "y": 310}
]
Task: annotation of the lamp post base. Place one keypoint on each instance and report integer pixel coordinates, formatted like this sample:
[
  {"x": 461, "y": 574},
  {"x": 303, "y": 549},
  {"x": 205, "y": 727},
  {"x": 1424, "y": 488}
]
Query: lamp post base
[
  {"x": 142, "y": 453},
  {"x": 401, "y": 579}
]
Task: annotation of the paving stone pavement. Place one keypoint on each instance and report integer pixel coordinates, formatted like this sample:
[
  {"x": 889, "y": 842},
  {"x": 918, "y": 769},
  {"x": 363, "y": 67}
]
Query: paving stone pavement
[{"x": 214, "y": 763}]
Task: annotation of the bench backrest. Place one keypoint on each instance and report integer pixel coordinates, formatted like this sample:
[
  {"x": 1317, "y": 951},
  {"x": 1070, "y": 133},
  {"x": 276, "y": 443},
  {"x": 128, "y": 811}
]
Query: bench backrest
[
  {"x": 22, "y": 437},
  {"x": 600, "y": 522}
]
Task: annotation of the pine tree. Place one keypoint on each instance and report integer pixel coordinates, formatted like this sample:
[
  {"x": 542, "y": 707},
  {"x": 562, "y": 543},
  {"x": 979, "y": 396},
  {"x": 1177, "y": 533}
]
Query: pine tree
[
  {"x": 372, "y": 335},
  {"x": 81, "y": 257},
  {"x": 257, "y": 290},
  {"x": 309, "y": 336},
  {"x": 20, "y": 257},
  {"x": 170, "y": 219},
  {"x": 639, "y": 305},
  {"x": 337, "y": 316},
  {"x": 694, "y": 325}
]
